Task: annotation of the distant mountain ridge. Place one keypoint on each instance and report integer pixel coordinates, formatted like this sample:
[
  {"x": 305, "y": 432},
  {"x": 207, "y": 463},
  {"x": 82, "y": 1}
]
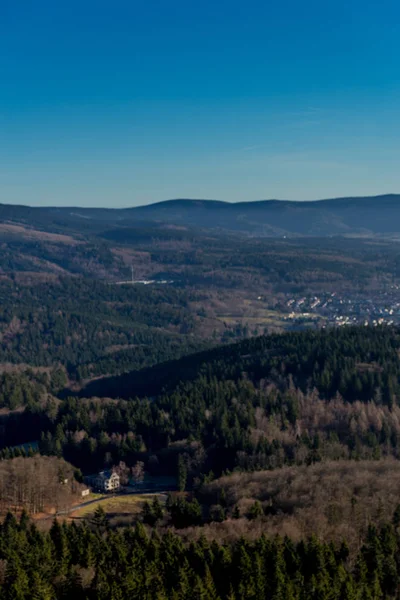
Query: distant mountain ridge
[{"x": 369, "y": 216}]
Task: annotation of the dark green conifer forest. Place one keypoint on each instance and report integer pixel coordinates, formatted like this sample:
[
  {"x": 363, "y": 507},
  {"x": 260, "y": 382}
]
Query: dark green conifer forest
[{"x": 93, "y": 562}]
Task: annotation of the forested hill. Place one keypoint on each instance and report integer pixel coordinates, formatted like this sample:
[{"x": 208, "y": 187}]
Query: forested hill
[
  {"x": 92, "y": 328},
  {"x": 379, "y": 215},
  {"x": 356, "y": 362},
  {"x": 290, "y": 399},
  {"x": 341, "y": 216}
]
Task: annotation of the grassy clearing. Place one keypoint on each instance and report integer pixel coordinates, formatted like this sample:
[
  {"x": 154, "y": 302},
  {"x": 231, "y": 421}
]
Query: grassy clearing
[
  {"x": 93, "y": 496},
  {"x": 261, "y": 320},
  {"x": 118, "y": 505}
]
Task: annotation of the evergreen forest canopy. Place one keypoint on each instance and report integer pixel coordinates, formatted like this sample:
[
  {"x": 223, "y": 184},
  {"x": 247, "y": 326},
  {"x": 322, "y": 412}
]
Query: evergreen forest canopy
[
  {"x": 92, "y": 562},
  {"x": 90, "y": 328}
]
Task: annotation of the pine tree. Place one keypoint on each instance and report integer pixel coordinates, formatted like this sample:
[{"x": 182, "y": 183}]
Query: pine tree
[
  {"x": 256, "y": 510},
  {"x": 147, "y": 514},
  {"x": 99, "y": 519},
  {"x": 198, "y": 591},
  {"x": 24, "y": 521},
  {"x": 209, "y": 585},
  {"x": 40, "y": 589},
  {"x": 349, "y": 590},
  {"x": 246, "y": 588},
  {"x": 236, "y": 512},
  {"x": 72, "y": 587},
  {"x": 157, "y": 509},
  {"x": 16, "y": 581},
  {"x": 60, "y": 545},
  {"x": 182, "y": 474},
  {"x": 100, "y": 586}
]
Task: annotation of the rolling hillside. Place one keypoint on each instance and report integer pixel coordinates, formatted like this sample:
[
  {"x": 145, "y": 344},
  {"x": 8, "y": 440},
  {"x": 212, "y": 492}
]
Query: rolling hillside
[{"x": 379, "y": 215}]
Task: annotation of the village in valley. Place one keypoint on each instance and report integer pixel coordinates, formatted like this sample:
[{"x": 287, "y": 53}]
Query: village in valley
[{"x": 381, "y": 307}]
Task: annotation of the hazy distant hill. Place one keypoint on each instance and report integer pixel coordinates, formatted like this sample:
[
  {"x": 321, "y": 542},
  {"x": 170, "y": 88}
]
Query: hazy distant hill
[
  {"x": 373, "y": 215},
  {"x": 379, "y": 215}
]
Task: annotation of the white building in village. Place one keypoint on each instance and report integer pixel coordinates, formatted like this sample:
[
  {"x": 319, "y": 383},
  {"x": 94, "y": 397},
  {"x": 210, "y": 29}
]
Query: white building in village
[{"x": 105, "y": 481}]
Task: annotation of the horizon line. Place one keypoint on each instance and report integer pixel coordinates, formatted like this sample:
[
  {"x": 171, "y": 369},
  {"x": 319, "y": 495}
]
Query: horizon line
[{"x": 211, "y": 200}]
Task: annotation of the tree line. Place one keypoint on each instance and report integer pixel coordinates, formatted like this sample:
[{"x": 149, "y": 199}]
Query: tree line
[{"x": 90, "y": 561}]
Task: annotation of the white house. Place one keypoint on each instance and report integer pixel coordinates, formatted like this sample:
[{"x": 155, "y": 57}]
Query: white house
[{"x": 105, "y": 481}]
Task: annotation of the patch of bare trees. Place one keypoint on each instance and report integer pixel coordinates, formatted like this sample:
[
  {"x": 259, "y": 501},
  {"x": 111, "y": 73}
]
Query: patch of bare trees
[
  {"x": 335, "y": 500},
  {"x": 37, "y": 484}
]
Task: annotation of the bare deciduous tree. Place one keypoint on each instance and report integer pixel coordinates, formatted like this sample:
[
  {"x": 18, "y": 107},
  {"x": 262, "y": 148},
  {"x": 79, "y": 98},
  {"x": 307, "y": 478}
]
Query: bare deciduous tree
[{"x": 138, "y": 471}]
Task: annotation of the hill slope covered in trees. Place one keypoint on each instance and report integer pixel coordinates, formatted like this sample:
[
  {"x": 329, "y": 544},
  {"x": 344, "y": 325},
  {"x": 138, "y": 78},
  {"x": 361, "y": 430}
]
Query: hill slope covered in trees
[
  {"x": 340, "y": 216},
  {"x": 296, "y": 434}
]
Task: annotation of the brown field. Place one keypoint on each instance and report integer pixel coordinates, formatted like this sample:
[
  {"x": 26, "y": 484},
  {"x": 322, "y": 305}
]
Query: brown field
[{"x": 27, "y": 233}]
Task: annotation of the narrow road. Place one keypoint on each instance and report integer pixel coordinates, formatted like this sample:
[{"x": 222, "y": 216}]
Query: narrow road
[{"x": 135, "y": 492}]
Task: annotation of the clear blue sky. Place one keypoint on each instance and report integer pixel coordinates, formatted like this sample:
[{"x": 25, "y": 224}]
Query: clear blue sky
[{"x": 128, "y": 102}]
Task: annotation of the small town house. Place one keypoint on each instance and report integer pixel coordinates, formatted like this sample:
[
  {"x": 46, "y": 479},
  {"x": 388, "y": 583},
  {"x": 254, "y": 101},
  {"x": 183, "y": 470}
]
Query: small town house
[{"x": 105, "y": 481}]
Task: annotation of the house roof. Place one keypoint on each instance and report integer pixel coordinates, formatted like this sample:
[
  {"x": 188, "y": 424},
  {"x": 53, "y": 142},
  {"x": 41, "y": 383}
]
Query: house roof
[{"x": 106, "y": 474}]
